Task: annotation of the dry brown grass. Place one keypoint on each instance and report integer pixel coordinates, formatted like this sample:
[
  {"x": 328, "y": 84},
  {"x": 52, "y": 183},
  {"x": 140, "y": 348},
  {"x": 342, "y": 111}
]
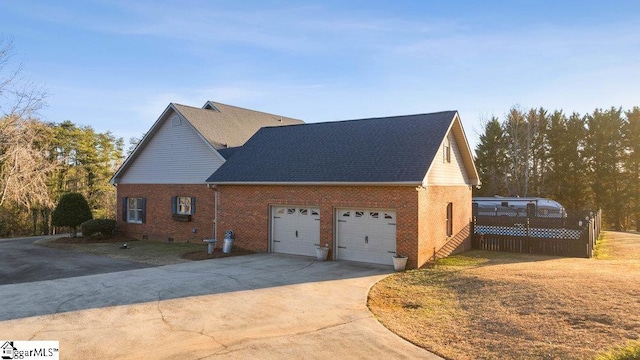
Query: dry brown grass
[
  {"x": 486, "y": 305},
  {"x": 144, "y": 251}
]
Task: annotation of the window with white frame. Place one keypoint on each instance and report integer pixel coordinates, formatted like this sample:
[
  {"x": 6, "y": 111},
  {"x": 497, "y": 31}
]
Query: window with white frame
[
  {"x": 446, "y": 150},
  {"x": 135, "y": 210},
  {"x": 183, "y": 205}
]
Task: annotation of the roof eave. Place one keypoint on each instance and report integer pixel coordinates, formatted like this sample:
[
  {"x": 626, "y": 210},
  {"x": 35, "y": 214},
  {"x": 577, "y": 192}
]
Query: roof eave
[
  {"x": 145, "y": 139},
  {"x": 116, "y": 178},
  {"x": 318, "y": 183},
  {"x": 465, "y": 151},
  {"x": 200, "y": 135},
  {"x": 470, "y": 165}
]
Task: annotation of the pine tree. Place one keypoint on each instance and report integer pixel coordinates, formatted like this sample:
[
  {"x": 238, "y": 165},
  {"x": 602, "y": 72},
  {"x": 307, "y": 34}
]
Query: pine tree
[
  {"x": 537, "y": 123},
  {"x": 518, "y": 149},
  {"x": 603, "y": 150},
  {"x": 490, "y": 160},
  {"x": 632, "y": 163}
]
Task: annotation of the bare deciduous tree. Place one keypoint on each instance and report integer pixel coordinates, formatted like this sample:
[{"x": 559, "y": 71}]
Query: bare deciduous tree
[
  {"x": 24, "y": 168},
  {"x": 39, "y": 161},
  {"x": 18, "y": 97}
]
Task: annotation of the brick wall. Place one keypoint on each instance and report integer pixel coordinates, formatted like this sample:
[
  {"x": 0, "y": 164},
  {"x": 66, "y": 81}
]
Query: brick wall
[
  {"x": 159, "y": 224},
  {"x": 245, "y": 210},
  {"x": 432, "y": 230}
]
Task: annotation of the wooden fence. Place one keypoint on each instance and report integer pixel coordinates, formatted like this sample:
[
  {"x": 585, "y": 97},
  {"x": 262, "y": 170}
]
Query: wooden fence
[{"x": 572, "y": 236}]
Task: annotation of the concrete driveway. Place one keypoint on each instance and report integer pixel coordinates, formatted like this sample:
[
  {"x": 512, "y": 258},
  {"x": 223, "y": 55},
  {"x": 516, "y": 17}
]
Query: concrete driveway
[
  {"x": 23, "y": 261},
  {"x": 263, "y": 306}
]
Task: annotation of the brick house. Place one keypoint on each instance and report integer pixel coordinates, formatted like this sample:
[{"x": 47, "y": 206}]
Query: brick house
[
  {"x": 368, "y": 188},
  {"x": 161, "y": 189}
]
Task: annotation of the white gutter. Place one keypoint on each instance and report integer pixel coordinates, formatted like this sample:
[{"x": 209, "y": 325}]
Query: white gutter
[{"x": 320, "y": 183}]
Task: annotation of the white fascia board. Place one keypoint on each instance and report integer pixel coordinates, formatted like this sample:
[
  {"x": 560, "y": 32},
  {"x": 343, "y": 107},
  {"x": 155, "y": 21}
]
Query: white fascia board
[
  {"x": 446, "y": 134},
  {"x": 464, "y": 148},
  {"x": 215, "y": 151},
  {"x": 211, "y": 105},
  {"x": 311, "y": 183},
  {"x": 142, "y": 143},
  {"x": 163, "y": 117},
  {"x": 468, "y": 152}
]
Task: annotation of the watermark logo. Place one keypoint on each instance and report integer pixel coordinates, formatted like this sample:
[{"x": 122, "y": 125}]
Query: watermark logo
[{"x": 32, "y": 350}]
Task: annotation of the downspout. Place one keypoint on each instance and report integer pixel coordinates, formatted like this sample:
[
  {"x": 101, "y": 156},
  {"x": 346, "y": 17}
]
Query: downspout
[
  {"x": 115, "y": 211},
  {"x": 215, "y": 209},
  {"x": 215, "y": 215},
  {"x": 115, "y": 185}
]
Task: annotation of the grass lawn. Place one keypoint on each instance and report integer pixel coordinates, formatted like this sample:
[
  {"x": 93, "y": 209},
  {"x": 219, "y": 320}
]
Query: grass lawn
[
  {"x": 490, "y": 305},
  {"x": 149, "y": 252}
]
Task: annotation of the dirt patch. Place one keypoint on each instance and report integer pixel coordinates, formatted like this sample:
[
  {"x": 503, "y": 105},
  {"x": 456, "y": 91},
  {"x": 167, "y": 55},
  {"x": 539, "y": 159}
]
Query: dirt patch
[
  {"x": 486, "y": 305},
  {"x": 90, "y": 240},
  {"x": 217, "y": 253},
  {"x": 148, "y": 252}
]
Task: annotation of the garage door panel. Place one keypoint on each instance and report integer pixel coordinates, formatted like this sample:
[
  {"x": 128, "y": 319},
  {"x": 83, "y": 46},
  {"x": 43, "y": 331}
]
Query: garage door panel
[
  {"x": 295, "y": 230},
  {"x": 376, "y": 242},
  {"x": 367, "y": 235}
]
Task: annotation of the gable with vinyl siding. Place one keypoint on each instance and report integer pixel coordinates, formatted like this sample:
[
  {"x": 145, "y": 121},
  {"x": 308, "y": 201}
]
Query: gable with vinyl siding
[
  {"x": 187, "y": 143},
  {"x": 448, "y": 173},
  {"x": 176, "y": 154}
]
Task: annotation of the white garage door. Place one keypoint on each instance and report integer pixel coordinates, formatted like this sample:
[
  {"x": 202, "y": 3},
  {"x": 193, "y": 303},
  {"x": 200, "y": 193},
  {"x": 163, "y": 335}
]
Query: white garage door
[
  {"x": 367, "y": 235},
  {"x": 295, "y": 230}
]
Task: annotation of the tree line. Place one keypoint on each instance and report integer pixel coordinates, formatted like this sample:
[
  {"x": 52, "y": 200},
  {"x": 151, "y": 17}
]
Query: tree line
[
  {"x": 40, "y": 161},
  {"x": 589, "y": 161}
]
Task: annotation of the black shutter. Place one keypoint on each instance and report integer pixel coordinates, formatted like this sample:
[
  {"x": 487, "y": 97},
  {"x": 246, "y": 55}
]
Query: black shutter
[
  {"x": 449, "y": 219},
  {"x": 125, "y": 208},
  {"x": 193, "y": 205},
  {"x": 144, "y": 210},
  {"x": 174, "y": 204}
]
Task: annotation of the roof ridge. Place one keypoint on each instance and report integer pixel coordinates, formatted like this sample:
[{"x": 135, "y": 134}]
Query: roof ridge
[
  {"x": 189, "y": 106},
  {"x": 399, "y": 116},
  {"x": 366, "y": 119},
  {"x": 255, "y": 111}
]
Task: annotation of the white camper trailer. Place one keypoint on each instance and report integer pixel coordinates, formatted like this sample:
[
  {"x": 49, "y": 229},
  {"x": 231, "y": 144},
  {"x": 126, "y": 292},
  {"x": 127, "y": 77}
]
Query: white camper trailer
[{"x": 518, "y": 207}]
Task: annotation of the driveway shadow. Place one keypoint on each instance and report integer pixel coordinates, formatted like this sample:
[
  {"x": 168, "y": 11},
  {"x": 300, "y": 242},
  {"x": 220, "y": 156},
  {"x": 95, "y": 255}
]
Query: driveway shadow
[
  {"x": 241, "y": 273},
  {"x": 23, "y": 261}
]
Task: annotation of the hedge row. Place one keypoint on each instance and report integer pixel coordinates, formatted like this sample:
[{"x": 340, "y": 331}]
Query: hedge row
[{"x": 98, "y": 227}]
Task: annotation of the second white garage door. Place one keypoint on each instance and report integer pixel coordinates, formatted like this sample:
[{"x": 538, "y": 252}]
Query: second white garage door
[
  {"x": 295, "y": 230},
  {"x": 367, "y": 235}
]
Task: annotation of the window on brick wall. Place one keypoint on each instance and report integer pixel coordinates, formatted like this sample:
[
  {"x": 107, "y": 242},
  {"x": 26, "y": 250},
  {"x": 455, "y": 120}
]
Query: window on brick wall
[
  {"x": 183, "y": 205},
  {"x": 449, "y": 219},
  {"x": 134, "y": 210}
]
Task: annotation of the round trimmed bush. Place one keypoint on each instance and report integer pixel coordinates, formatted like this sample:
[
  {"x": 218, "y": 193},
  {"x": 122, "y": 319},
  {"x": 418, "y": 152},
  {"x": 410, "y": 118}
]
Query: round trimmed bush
[
  {"x": 96, "y": 227},
  {"x": 72, "y": 210}
]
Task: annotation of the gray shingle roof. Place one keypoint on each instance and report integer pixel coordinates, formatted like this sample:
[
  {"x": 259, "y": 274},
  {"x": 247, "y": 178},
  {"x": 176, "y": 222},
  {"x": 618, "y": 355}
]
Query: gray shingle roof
[
  {"x": 226, "y": 153},
  {"x": 223, "y": 126},
  {"x": 229, "y": 126},
  {"x": 379, "y": 150}
]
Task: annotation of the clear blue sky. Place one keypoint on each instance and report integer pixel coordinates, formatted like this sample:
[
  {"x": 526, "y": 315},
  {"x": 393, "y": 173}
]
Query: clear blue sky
[{"x": 116, "y": 65}]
